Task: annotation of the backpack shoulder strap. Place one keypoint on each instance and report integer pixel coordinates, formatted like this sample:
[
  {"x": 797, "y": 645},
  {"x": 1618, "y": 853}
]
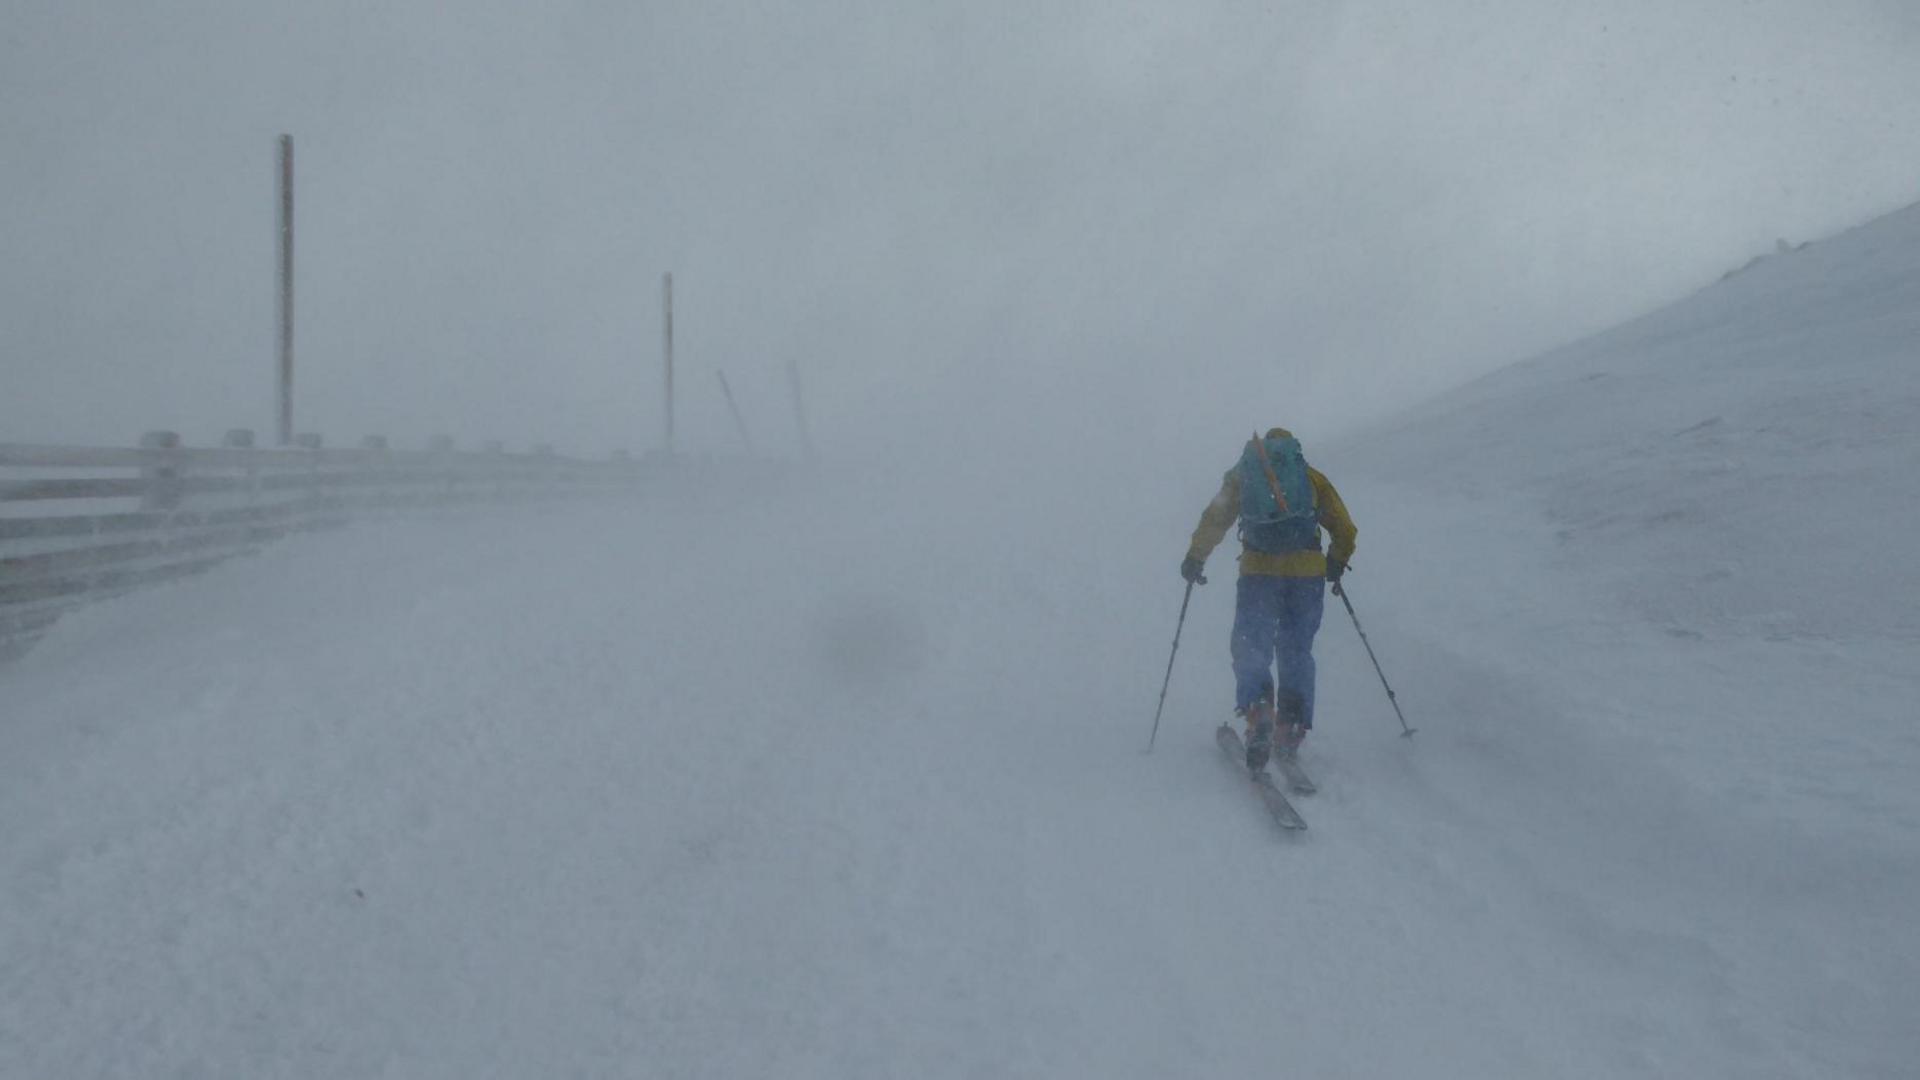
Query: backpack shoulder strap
[{"x": 1258, "y": 448}]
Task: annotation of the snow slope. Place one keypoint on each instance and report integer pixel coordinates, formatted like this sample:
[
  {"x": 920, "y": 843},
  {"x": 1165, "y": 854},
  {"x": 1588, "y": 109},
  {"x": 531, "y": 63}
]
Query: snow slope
[{"x": 844, "y": 781}]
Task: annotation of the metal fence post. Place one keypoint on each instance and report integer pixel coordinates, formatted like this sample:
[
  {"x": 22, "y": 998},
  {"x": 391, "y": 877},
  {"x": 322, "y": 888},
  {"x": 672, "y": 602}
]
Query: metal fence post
[
  {"x": 162, "y": 471},
  {"x": 312, "y": 441},
  {"x": 496, "y": 469},
  {"x": 242, "y": 439}
]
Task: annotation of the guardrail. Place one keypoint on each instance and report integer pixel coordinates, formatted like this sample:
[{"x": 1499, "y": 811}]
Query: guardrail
[{"x": 78, "y": 524}]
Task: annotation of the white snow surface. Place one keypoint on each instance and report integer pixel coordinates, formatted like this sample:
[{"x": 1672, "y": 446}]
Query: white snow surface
[{"x": 846, "y": 780}]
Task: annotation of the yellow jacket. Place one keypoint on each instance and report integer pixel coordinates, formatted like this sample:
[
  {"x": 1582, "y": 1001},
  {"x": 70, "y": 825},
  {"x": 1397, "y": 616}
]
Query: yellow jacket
[{"x": 1224, "y": 510}]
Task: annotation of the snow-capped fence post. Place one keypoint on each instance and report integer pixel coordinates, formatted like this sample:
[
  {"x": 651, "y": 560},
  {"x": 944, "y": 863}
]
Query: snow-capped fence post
[
  {"x": 242, "y": 439},
  {"x": 443, "y": 470},
  {"x": 495, "y": 472},
  {"x": 312, "y": 442},
  {"x": 161, "y": 472},
  {"x": 544, "y": 472},
  {"x": 376, "y": 482}
]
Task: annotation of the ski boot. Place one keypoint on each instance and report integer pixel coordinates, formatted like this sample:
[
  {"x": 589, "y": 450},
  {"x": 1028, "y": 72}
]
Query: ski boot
[
  {"x": 1291, "y": 721},
  {"x": 1259, "y": 718}
]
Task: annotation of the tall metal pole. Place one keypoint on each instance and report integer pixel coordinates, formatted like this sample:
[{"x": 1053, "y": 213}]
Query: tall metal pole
[
  {"x": 734, "y": 407},
  {"x": 286, "y": 290},
  {"x": 666, "y": 298},
  {"x": 799, "y": 408}
]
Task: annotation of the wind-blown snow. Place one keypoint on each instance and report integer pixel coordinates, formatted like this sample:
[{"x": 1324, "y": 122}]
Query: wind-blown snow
[{"x": 845, "y": 783}]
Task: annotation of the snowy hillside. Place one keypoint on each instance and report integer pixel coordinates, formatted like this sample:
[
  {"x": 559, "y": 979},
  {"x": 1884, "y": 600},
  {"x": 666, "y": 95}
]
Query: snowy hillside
[
  {"x": 1749, "y": 455},
  {"x": 846, "y": 782}
]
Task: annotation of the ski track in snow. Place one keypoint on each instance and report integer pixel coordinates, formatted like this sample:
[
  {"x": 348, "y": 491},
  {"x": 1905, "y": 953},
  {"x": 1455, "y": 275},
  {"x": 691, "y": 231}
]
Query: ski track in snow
[{"x": 823, "y": 784}]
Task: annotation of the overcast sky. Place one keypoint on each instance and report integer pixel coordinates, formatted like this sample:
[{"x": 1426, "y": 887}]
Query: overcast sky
[{"x": 1168, "y": 216}]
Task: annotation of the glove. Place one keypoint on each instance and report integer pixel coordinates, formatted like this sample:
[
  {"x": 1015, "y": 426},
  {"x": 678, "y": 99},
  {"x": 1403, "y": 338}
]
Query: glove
[
  {"x": 1335, "y": 568},
  {"x": 1190, "y": 570}
]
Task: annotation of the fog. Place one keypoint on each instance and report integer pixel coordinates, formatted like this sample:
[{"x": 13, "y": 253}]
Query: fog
[
  {"x": 841, "y": 780},
  {"x": 1028, "y": 222}
]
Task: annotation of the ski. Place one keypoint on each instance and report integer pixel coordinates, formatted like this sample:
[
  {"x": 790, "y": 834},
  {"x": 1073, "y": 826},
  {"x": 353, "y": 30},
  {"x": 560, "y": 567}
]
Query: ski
[
  {"x": 1297, "y": 779},
  {"x": 1282, "y": 811}
]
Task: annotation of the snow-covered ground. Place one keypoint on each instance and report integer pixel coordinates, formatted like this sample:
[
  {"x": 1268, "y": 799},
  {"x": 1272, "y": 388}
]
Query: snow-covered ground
[{"x": 845, "y": 781}]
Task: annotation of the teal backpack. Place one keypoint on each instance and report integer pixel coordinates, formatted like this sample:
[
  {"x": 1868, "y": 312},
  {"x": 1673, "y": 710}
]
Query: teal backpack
[{"x": 1277, "y": 511}]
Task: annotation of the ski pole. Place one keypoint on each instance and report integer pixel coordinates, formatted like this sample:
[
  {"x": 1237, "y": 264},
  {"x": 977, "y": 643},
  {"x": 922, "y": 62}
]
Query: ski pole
[
  {"x": 1405, "y": 731},
  {"x": 1169, "y": 679}
]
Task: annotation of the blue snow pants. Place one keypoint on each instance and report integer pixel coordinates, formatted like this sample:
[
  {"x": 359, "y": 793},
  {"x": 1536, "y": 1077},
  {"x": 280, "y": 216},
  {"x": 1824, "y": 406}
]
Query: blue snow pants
[{"x": 1274, "y": 621}]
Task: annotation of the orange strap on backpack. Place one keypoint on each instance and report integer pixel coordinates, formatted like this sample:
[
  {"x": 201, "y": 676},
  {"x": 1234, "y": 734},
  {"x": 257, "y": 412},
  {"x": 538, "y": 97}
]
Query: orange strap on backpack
[{"x": 1273, "y": 478}]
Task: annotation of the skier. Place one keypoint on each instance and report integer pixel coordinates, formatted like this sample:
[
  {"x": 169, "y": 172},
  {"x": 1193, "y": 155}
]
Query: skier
[{"x": 1281, "y": 503}]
